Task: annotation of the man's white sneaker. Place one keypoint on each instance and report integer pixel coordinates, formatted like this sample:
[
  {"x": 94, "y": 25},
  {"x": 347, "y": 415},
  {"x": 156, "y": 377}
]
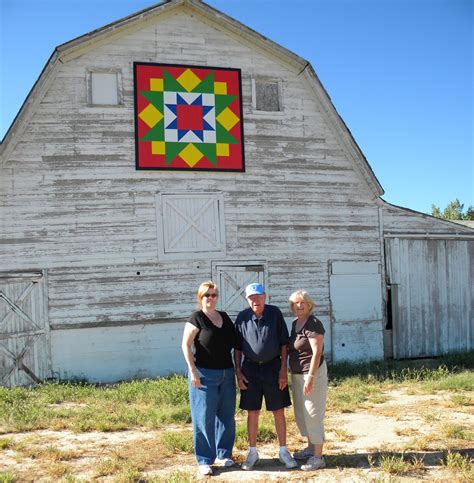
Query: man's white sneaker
[
  {"x": 205, "y": 470},
  {"x": 286, "y": 458},
  {"x": 251, "y": 460},
  {"x": 303, "y": 454},
  {"x": 226, "y": 462},
  {"x": 314, "y": 463}
]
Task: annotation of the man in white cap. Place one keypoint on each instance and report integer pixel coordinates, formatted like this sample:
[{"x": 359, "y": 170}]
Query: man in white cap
[{"x": 263, "y": 341}]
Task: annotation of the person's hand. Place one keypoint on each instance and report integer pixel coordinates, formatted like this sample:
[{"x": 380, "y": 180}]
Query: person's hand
[
  {"x": 308, "y": 386},
  {"x": 241, "y": 380},
  {"x": 195, "y": 380},
  {"x": 283, "y": 379}
]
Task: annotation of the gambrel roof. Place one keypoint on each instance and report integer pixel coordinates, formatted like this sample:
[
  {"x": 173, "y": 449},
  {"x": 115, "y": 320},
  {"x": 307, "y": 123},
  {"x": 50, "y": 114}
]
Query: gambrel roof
[{"x": 75, "y": 47}]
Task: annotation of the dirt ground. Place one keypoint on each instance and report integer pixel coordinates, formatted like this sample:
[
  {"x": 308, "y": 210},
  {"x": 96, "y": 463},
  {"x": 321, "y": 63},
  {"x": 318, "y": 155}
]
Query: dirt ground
[{"x": 409, "y": 424}]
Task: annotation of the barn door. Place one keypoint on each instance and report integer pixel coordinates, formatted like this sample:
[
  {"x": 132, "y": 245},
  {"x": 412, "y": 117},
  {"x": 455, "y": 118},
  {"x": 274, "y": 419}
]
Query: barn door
[
  {"x": 232, "y": 280},
  {"x": 432, "y": 305},
  {"x": 357, "y": 317},
  {"x": 24, "y": 330}
]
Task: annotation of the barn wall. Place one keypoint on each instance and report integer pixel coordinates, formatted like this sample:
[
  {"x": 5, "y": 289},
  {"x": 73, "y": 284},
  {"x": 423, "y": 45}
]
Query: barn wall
[{"x": 73, "y": 204}]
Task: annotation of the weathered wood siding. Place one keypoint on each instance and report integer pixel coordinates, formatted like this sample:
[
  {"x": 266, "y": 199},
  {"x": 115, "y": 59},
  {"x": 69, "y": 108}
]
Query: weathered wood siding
[
  {"x": 432, "y": 284},
  {"x": 73, "y": 204},
  {"x": 398, "y": 220}
]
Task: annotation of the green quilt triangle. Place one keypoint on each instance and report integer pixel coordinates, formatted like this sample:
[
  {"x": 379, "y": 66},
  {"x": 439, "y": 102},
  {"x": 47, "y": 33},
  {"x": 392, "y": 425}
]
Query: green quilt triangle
[
  {"x": 171, "y": 84},
  {"x": 224, "y": 136},
  {"x": 156, "y": 133},
  {"x": 223, "y": 101},
  {"x": 209, "y": 150},
  {"x": 172, "y": 150},
  {"x": 155, "y": 98},
  {"x": 206, "y": 86}
]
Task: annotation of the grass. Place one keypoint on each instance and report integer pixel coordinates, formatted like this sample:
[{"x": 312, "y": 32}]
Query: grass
[
  {"x": 456, "y": 463},
  {"x": 394, "y": 464},
  {"x": 84, "y": 407},
  {"x": 461, "y": 400},
  {"x": 178, "y": 441},
  {"x": 163, "y": 403},
  {"x": 7, "y": 477}
]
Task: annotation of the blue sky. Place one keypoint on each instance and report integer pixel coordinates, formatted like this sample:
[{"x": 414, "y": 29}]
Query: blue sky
[{"x": 399, "y": 72}]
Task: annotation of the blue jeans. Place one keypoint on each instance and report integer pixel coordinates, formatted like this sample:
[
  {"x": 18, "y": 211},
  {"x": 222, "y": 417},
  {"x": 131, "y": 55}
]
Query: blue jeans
[{"x": 213, "y": 414}]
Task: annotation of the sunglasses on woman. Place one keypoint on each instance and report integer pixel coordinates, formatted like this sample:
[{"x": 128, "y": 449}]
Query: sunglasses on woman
[{"x": 210, "y": 295}]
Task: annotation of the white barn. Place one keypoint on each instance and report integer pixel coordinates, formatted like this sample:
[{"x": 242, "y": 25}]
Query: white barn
[{"x": 100, "y": 258}]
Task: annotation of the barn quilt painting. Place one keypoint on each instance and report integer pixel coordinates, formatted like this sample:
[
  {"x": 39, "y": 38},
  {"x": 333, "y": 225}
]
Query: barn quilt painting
[{"x": 188, "y": 118}]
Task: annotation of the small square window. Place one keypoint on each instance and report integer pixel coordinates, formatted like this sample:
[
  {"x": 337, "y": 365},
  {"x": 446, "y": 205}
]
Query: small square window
[
  {"x": 104, "y": 88},
  {"x": 266, "y": 96}
]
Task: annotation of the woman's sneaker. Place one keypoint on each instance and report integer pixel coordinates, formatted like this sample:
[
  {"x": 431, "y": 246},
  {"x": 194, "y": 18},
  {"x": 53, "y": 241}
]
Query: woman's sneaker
[
  {"x": 314, "y": 463},
  {"x": 225, "y": 462},
  {"x": 303, "y": 454},
  {"x": 205, "y": 470}
]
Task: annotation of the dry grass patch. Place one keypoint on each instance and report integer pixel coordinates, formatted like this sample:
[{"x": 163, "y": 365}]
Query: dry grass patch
[
  {"x": 460, "y": 466},
  {"x": 343, "y": 435},
  {"x": 397, "y": 464}
]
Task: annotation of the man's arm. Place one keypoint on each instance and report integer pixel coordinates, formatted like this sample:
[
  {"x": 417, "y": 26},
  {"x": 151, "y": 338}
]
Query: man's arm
[{"x": 241, "y": 379}]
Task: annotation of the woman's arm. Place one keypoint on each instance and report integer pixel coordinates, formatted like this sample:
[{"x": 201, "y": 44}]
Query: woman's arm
[
  {"x": 317, "y": 348},
  {"x": 189, "y": 334}
]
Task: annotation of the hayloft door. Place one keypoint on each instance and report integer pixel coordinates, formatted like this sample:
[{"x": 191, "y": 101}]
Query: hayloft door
[
  {"x": 357, "y": 316},
  {"x": 24, "y": 329},
  {"x": 232, "y": 280}
]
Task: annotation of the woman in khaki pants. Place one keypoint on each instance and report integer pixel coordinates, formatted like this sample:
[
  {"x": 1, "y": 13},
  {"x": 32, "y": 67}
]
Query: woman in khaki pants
[{"x": 309, "y": 378}]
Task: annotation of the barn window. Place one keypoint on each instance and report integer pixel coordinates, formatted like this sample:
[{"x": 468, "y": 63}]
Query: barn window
[
  {"x": 104, "y": 88},
  {"x": 266, "y": 95},
  {"x": 190, "y": 225}
]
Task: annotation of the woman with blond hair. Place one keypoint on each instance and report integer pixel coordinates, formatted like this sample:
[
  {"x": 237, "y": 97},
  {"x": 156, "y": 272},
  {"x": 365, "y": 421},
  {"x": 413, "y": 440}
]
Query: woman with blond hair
[
  {"x": 309, "y": 378},
  {"x": 208, "y": 339}
]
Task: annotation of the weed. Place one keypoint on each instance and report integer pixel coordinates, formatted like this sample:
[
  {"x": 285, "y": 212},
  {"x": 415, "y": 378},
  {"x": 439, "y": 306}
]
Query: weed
[
  {"x": 107, "y": 467},
  {"x": 179, "y": 477},
  {"x": 397, "y": 465},
  {"x": 8, "y": 477},
  {"x": 266, "y": 434},
  {"x": 129, "y": 474},
  {"x": 178, "y": 441},
  {"x": 241, "y": 436},
  {"x": 461, "y": 400},
  {"x": 455, "y": 431},
  {"x": 457, "y": 463},
  {"x": 6, "y": 443},
  {"x": 431, "y": 418},
  {"x": 58, "y": 470},
  {"x": 343, "y": 435}
]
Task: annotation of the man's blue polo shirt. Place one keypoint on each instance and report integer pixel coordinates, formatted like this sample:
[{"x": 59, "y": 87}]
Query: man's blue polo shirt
[{"x": 260, "y": 340}]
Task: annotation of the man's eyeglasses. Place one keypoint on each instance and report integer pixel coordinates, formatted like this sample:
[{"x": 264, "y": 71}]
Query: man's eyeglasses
[{"x": 210, "y": 295}]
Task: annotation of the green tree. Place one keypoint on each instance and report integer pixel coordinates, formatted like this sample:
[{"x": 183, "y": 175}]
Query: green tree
[{"x": 454, "y": 211}]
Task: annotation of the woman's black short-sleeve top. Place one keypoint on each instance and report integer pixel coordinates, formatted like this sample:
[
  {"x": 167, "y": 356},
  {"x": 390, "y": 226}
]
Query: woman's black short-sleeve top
[{"x": 213, "y": 345}]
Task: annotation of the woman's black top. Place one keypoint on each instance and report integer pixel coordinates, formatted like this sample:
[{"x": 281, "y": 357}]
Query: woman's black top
[{"x": 213, "y": 345}]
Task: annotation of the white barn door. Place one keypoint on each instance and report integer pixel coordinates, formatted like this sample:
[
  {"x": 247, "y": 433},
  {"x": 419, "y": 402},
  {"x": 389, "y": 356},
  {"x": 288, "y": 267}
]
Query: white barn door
[
  {"x": 232, "y": 280},
  {"x": 357, "y": 315},
  {"x": 432, "y": 287},
  {"x": 24, "y": 330}
]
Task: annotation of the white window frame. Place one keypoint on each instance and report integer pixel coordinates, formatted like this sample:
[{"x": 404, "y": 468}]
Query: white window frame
[
  {"x": 118, "y": 74},
  {"x": 167, "y": 253}
]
